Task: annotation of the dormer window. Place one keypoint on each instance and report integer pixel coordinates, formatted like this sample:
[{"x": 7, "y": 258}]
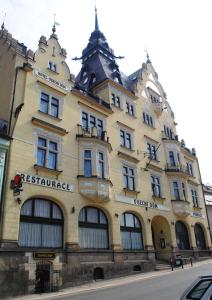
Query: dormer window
[
  {"x": 52, "y": 66},
  {"x": 154, "y": 96}
]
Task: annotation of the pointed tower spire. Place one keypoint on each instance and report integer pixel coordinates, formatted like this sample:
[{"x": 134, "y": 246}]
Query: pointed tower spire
[
  {"x": 53, "y": 35},
  {"x": 2, "y": 26},
  {"x": 96, "y": 20},
  {"x": 147, "y": 58}
]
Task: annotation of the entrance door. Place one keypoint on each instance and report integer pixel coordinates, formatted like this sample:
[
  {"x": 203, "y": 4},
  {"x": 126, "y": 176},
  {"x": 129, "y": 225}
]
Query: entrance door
[{"x": 42, "y": 278}]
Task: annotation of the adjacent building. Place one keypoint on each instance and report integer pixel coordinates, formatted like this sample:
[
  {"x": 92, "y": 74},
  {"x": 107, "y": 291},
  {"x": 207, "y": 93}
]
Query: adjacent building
[
  {"x": 207, "y": 189},
  {"x": 107, "y": 186}
]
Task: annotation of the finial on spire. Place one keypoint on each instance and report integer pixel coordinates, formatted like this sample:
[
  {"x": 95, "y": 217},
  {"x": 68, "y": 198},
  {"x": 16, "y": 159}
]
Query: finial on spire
[
  {"x": 96, "y": 20},
  {"x": 2, "y": 26},
  {"x": 54, "y": 28},
  {"x": 147, "y": 57}
]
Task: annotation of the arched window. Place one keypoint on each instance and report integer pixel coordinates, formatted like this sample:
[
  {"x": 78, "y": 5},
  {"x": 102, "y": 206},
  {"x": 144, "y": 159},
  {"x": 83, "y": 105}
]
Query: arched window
[
  {"x": 182, "y": 236},
  {"x": 199, "y": 235},
  {"x": 93, "y": 228},
  {"x": 131, "y": 232},
  {"x": 41, "y": 224}
]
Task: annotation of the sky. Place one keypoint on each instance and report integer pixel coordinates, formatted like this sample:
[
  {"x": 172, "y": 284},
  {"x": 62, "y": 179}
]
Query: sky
[{"x": 176, "y": 34}]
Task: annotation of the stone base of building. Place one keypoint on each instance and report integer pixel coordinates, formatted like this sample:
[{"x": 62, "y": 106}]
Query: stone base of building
[{"x": 22, "y": 271}]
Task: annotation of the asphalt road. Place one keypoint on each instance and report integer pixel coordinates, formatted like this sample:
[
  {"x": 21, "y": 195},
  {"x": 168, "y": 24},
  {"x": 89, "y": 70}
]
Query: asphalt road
[{"x": 168, "y": 286}]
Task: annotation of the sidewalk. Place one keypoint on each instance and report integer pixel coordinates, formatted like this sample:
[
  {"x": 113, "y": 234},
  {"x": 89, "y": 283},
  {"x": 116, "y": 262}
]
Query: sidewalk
[{"x": 95, "y": 285}]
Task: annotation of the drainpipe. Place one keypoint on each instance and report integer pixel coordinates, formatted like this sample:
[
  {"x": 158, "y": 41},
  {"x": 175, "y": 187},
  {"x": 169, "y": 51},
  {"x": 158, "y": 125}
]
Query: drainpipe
[{"x": 27, "y": 68}]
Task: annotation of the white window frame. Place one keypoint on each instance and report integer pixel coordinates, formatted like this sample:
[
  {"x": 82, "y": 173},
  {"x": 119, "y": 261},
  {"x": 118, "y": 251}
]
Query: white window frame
[
  {"x": 50, "y": 62},
  {"x": 116, "y": 94},
  {"x": 129, "y": 166},
  {"x": 42, "y": 133},
  {"x": 52, "y": 95},
  {"x": 160, "y": 184},
  {"x": 131, "y": 105},
  {"x": 96, "y": 116}
]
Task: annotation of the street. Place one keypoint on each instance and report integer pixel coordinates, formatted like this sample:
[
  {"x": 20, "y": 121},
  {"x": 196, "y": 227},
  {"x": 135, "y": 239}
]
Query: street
[{"x": 162, "y": 285}]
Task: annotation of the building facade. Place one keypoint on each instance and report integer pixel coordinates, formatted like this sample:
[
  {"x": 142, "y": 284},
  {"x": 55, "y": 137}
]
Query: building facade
[
  {"x": 207, "y": 189},
  {"x": 107, "y": 187}
]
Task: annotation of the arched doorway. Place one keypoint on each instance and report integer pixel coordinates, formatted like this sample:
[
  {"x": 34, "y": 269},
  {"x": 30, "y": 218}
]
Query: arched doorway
[
  {"x": 131, "y": 232},
  {"x": 93, "y": 228},
  {"x": 41, "y": 224},
  {"x": 182, "y": 236},
  {"x": 161, "y": 237},
  {"x": 200, "y": 237}
]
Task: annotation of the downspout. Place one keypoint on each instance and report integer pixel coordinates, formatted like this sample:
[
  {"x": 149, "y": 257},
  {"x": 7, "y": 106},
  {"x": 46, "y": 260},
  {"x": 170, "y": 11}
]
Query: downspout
[{"x": 26, "y": 67}]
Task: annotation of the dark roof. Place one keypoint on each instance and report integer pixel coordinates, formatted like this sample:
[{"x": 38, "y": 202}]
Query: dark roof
[{"x": 99, "y": 63}]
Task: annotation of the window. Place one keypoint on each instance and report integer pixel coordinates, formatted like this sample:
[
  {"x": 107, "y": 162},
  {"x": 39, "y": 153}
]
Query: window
[
  {"x": 147, "y": 119},
  {"x": 189, "y": 169},
  {"x": 130, "y": 109},
  {"x": 101, "y": 166},
  {"x": 49, "y": 105},
  {"x": 176, "y": 190},
  {"x": 182, "y": 236},
  {"x": 90, "y": 121},
  {"x": 41, "y": 224},
  {"x": 168, "y": 132},
  {"x": 129, "y": 178},
  {"x": 151, "y": 148},
  {"x": 172, "y": 159},
  {"x": 200, "y": 237},
  {"x": 195, "y": 198},
  {"x": 131, "y": 232},
  {"x": 184, "y": 191},
  {"x": 93, "y": 228},
  {"x": 52, "y": 66},
  {"x": 47, "y": 153},
  {"x": 156, "y": 188},
  {"x": 87, "y": 163},
  {"x": 125, "y": 138},
  {"x": 116, "y": 100}
]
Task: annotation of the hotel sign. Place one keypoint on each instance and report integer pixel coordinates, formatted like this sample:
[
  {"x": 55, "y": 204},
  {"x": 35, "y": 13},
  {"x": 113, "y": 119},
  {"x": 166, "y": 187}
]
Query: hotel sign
[
  {"x": 143, "y": 203},
  {"x": 51, "y": 80},
  {"x": 46, "y": 182},
  {"x": 196, "y": 214},
  {"x": 44, "y": 255}
]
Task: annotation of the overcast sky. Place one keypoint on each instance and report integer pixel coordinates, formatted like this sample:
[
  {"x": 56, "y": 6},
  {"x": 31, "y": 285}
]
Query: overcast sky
[{"x": 177, "y": 35}]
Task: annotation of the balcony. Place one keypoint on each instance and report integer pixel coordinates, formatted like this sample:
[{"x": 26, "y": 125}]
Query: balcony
[
  {"x": 180, "y": 208},
  {"x": 157, "y": 106},
  {"x": 96, "y": 189},
  {"x": 177, "y": 170},
  {"x": 88, "y": 134}
]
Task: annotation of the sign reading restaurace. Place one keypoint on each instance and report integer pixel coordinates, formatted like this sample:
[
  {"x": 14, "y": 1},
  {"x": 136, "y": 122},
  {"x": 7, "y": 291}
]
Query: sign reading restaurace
[{"x": 46, "y": 182}]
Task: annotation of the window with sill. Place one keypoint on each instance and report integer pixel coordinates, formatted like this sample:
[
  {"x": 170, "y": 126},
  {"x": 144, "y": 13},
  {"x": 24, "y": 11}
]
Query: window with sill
[
  {"x": 129, "y": 178},
  {"x": 52, "y": 66},
  {"x": 131, "y": 232},
  {"x": 195, "y": 198},
  {"x": 189, "y": 168},
  {"x": 90, "y": 121},
  {"x": 130, "y": 109},
  {"x": 41, "y": 224},
  {"x": 147, "y": 119},
  {"x": 95, "y": 163},
  {"x": 156, "y": 186},
  {"x": 168, "y": 132},
  {"x": 116, "y": 100},
  {"x": 125, "y": 139},
  {"x": 179, "y": 190},
  {"x": 152, "y": 151},
  {"x": 47, "y": 153},
  {"x": 93, "y": 228},
  {"x": 49, "y": 105}
]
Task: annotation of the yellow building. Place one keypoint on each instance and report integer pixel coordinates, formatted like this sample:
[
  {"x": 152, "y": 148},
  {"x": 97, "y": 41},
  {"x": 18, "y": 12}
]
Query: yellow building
[{"x": 107, "y": 187}]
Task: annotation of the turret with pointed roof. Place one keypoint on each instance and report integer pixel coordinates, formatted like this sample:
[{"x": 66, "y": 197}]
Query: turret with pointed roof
[{"x": 98, "y": 61}]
